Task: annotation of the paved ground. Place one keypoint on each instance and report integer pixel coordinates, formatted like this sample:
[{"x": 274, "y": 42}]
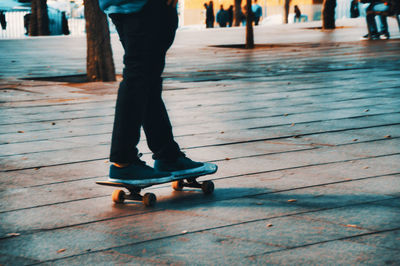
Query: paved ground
[{"x": 305, "y": 130}]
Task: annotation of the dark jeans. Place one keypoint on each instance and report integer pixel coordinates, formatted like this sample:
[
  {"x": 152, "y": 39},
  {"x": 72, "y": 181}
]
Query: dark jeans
[
  {"x": 146, "y": 37},
  {"x": 371, "y": 23}
]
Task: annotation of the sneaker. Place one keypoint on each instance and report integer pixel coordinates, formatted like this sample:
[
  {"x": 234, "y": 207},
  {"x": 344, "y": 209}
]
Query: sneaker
[
  {"x": 365, "y": 37},
  {"x": 182, "y": 166},
  {"x": 138, "y": 174},
  {"x": 370, "y": 37},
  {"x": 385, "y": 35},
  {"x": 375, "y": 37}
]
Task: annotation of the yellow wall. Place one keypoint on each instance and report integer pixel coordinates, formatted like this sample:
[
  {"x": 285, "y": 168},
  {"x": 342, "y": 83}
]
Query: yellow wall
[{"x": 193, "y": 12}]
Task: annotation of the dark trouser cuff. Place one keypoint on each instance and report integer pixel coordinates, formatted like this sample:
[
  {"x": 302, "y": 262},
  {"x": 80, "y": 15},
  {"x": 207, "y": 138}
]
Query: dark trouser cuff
[{"x": 169, "y": 152}]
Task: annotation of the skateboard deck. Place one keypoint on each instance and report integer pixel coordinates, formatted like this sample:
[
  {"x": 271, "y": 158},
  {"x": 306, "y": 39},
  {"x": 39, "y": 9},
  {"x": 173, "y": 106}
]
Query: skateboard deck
[{"x": 178, "y": 183}]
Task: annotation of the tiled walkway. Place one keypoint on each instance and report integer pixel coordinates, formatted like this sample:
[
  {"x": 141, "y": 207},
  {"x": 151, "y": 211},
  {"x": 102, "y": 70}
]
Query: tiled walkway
[{"x": 306, "y": 137}]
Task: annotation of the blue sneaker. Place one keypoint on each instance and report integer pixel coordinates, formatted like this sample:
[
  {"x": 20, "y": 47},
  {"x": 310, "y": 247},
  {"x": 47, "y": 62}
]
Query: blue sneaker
[
  {"x": 368, "y": 36},
  {"x": 183, "y": 166},
  {"x": 138, "y": 174}
]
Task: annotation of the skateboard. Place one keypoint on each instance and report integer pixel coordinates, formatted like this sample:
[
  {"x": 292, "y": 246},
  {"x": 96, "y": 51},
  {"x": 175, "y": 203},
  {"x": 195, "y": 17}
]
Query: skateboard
[{"x": 150, "y": 199}]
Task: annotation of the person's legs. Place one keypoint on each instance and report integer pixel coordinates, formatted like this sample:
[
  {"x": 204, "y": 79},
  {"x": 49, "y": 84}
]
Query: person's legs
[
  {"x": 371, "y": 24},
  {"x": 156, "y": 123},
  {"x": 381, "y": 10},
  {"x": 384, "y": 30},
  {"x": 131, "y": 93},
  {"x": 166, "y": 152},
  {"x": 146, "y": 37},
  {"x": 136, "y": 94}
]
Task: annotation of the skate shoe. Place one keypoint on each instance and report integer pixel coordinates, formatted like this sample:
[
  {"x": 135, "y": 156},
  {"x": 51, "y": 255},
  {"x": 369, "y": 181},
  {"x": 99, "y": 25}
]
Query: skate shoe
[
  {"x": 183, "y": 166},
  {"x": 138, "y": 174}
]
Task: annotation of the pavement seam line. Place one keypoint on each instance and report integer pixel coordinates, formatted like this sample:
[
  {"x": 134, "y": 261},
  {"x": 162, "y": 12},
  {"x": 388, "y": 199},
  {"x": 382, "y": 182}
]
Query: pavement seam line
[
  {"x": 231, "y": 225},
  {"x": 235, "y": 158},
  {"x": 272, "y": 100},
  {"x": 222, "y": 144},
  {"x": 327, "y": 241},
  {"x": 228, "y": 120},
  {"x": 160, "y": 209},
  {"x": 235, "y": 176}
]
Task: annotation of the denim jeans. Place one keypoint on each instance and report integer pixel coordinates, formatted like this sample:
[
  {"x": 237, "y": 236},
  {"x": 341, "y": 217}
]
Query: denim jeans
[
  {"x": 372, "y": 28},
  {"x": 145, "y": 36}
]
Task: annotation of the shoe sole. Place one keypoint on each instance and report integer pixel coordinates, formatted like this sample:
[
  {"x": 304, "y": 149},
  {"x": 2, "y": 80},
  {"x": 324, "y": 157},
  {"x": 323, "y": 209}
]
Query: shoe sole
[
  {"x": 206, "y": 169},
  {"x": 143, "y": 182}
]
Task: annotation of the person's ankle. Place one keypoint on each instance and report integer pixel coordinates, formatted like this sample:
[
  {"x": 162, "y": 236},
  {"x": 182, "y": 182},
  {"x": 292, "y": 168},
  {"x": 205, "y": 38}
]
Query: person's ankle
[{"x": 121, "y": 165}]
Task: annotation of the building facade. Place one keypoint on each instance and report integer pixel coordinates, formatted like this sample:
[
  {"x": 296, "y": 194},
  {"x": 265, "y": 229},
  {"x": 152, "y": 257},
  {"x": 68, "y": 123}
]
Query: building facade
[{"x": 192, "y": 12}]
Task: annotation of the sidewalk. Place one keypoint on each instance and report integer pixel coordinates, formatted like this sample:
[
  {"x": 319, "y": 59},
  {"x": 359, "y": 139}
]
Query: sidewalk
[
  {"x": 65, "y": 55},
  {"x": 305, "y": 130}
]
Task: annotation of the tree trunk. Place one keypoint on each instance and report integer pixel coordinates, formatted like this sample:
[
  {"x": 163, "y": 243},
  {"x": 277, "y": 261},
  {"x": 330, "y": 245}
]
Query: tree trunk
[
  {"x": 39, "y": 18},
  {"x": 328, "y": 14},
  {"x": 238, "y": 12},
  {"x": 99, "y": 60},
  {"x": 249, "y": 26},
  {"x": 286, "y": 8}
]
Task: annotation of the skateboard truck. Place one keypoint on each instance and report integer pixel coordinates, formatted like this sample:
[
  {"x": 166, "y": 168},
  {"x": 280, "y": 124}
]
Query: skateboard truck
[
  {"x": 207, "y": 186},
  {"x": 119, "y": 196}
]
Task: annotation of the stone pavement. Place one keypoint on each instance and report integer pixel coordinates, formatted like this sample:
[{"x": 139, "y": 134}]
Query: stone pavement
[{"x": 305, "y": 130}]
